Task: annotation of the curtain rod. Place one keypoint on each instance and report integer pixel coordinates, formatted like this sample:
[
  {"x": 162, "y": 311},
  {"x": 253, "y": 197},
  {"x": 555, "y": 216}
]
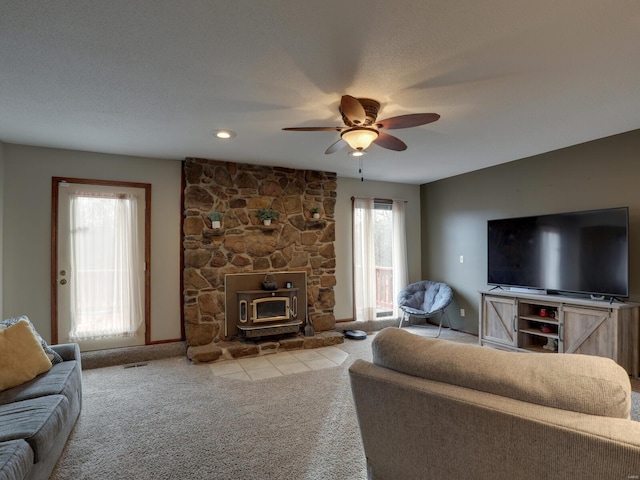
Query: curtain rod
[{"x": 380, "y": 200}]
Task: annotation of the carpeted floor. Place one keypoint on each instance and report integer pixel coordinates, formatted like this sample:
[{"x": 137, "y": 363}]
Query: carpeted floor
[{"x": 173, "y": 420}]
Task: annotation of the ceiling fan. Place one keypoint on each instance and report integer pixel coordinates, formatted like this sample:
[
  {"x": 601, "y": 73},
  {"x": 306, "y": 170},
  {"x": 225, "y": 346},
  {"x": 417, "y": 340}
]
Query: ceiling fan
[{"x": 361, "y": 127}]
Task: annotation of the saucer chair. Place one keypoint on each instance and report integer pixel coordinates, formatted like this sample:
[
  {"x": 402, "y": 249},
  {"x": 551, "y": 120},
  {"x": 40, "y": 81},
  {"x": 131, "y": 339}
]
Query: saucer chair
[{"x": 425, "y": 299}]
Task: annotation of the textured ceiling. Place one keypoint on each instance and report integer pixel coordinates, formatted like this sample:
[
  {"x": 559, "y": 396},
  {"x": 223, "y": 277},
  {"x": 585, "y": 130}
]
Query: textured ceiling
[{"x": 510, "y": 78}]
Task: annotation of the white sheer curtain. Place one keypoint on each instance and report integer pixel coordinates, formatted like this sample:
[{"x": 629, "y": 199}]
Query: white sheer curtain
[
  {"x": 400, "y": 275},
  {"x": 106, "y": 273},
  {"x": 367, "y": 229},
  {"x": 364, "y": 261}
]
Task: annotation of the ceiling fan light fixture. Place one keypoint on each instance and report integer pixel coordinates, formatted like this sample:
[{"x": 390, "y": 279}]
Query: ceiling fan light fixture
[
  {"x": 224, "y": 134},
  {"x": 357, "y": 153},
  {"x": 360, "y": 138}
]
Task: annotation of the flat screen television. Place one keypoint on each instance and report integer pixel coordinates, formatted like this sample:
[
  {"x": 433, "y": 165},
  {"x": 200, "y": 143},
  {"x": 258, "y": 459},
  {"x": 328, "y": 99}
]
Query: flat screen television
[{"x": 577, "y": 252}]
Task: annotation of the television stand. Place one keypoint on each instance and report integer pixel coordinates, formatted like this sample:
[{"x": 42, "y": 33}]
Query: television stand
[{"x": 561, "y": 324}]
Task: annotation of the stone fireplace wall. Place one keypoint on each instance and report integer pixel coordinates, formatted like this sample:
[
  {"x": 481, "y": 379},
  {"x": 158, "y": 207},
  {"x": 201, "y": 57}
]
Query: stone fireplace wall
[{"x": 293, "y": 242}]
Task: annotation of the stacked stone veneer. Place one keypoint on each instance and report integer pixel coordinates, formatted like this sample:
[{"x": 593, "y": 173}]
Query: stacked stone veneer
[{"x": 294, "y": 242}]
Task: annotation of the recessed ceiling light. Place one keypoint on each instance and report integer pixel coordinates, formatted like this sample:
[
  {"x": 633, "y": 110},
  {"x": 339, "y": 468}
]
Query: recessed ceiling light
[{"x": 224, "y": 134}]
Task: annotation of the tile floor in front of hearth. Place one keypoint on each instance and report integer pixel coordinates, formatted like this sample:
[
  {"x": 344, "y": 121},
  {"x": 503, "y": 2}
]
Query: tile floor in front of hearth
[{"x": 279, "y": 364}]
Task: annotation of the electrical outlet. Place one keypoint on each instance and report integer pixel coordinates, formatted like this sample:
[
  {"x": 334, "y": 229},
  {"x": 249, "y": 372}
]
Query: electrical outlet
[{"x": 462, "y": 312}]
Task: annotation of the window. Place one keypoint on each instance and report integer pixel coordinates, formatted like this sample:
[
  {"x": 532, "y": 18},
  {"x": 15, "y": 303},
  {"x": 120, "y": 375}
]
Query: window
[
  {"x": 379, "y": 255},
  {"x": 106, "y": 255}
]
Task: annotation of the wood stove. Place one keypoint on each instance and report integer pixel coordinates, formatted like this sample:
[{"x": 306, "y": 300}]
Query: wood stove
[
  {"x": 252, "y": 312},
  {"x": 262, "y": 312}
]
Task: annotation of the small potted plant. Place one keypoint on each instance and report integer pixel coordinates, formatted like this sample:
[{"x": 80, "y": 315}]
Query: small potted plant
[
  {"x": 315, "y": 212},
  {"x": 215, "y": 218},
  {"x": 266, "y": 215}
]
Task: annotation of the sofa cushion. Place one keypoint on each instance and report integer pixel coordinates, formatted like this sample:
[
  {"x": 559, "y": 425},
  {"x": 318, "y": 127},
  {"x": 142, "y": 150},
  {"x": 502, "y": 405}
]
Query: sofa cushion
[
  {"x": 63, "y": 379},
  {"x": 580, "y": 383},
  {"x": 16, "y": 459},
  {"x": 21, "y": 356},
  {"x": 37, "y": 421},
  {"x": 53, "y": 355}
]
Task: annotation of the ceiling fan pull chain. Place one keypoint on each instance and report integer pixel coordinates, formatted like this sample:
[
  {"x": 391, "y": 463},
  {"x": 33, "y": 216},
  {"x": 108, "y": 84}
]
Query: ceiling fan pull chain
[{"x": 360, "y": 164}]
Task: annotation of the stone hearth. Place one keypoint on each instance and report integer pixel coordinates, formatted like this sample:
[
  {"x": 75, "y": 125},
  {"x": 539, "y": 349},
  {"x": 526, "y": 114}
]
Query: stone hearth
[{"x": 247, "y": 348}]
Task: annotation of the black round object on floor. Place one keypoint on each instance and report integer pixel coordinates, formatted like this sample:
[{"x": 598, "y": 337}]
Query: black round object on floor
[{"x": 355, "y": 334}]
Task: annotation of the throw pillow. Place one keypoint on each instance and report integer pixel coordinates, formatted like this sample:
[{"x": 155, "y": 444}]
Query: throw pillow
[
  {"x": 52, "y": 354},
  {"x": 21, "y": 355}
]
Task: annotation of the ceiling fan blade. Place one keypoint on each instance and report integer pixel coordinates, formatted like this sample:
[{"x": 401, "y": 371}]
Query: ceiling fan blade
[
  {"x": 336, "y": 146},
  {"x": 315, "y": 129},
  {"x": 353, "y": 110},
  {"x": 406, "y": 121},
  {"x": 389, "y": 141}
]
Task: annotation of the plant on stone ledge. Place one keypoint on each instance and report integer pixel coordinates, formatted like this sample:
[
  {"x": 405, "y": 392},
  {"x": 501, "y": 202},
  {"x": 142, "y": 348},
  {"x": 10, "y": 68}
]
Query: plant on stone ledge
[
  {"x": 315, "y": 212},
  {"x": 215, "y": 218},
  {"x": 266, "y": 215}
]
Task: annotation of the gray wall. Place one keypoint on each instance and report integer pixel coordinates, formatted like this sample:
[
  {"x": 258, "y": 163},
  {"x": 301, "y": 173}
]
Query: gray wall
[
  {"x": 26, "y": 242},
  {"x": 26, "y": 190},
  {"x": 598, "y": 174}
]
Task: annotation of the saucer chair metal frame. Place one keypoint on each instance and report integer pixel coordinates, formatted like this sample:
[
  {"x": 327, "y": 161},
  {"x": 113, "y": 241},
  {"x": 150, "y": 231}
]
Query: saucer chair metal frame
[{"x": 425, "y": 299}]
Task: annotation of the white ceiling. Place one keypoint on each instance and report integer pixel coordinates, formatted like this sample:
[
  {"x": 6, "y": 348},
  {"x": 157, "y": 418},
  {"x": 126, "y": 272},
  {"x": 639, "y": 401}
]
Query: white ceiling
[{"x": 510, "y": 78}]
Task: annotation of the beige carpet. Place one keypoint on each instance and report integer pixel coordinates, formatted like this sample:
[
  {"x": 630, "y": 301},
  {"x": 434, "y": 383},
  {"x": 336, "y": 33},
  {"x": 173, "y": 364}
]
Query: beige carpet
[{"x": 173, "y": 420}]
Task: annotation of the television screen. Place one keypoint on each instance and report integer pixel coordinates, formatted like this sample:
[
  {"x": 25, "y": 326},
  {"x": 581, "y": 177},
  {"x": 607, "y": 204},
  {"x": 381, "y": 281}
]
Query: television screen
[{"x": 577, "y": 252}]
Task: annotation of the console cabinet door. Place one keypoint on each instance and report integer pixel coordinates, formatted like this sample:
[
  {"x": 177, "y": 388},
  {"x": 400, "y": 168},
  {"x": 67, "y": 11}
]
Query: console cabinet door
[
  {"x": 590, "y": 331},
  {"x": 498, "y": 320}
]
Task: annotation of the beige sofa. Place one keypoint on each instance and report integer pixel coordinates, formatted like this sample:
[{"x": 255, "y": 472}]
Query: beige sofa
[{"x": 433, "y": 409}]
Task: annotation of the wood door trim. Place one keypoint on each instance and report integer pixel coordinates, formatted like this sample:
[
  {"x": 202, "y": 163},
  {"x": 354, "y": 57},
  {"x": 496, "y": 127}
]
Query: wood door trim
[
  {"x": 55, "y": 183},
  {"x": 183, "y": 184}
]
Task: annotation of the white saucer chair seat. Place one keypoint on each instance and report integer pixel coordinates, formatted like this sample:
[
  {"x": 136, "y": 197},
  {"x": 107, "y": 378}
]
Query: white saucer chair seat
[{"x": 425, "y": 299}]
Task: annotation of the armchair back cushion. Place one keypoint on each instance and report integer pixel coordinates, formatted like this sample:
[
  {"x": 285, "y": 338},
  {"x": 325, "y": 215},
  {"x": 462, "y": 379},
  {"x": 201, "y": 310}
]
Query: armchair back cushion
[{"x": 579, "y": 383}]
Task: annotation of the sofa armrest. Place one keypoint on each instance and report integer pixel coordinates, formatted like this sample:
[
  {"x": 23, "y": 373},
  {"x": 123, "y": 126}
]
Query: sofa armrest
[{"x": 68, "y": 351}]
